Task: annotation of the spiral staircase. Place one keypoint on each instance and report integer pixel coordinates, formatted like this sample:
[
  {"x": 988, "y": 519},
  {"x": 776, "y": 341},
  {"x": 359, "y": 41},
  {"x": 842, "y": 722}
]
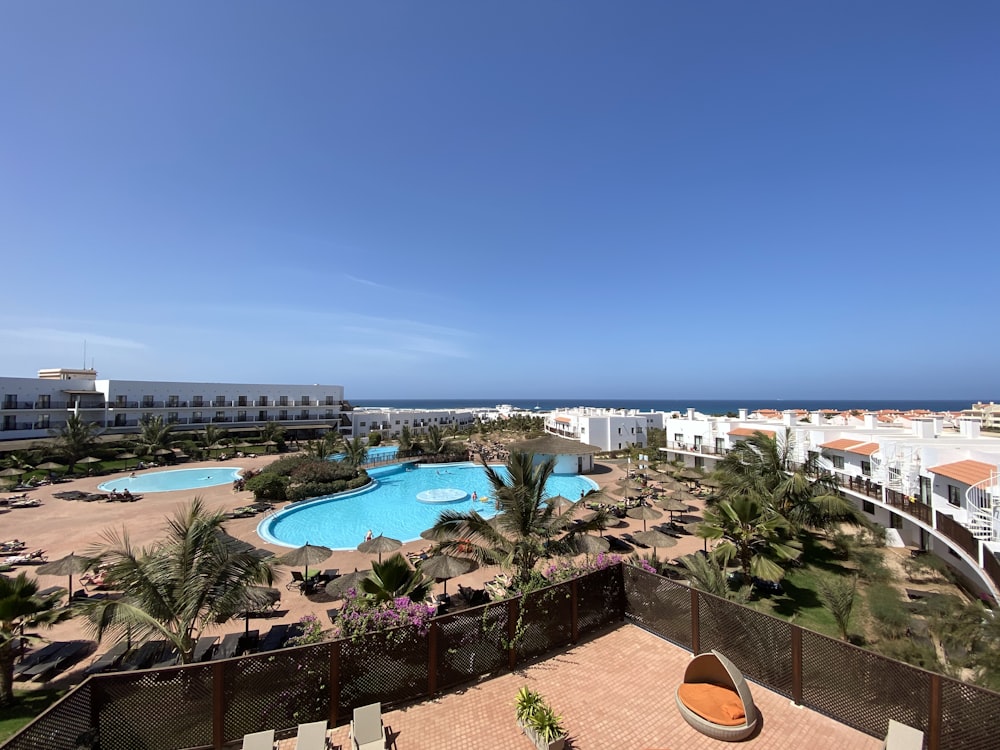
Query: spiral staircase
[{"x": 983, "y": 502}]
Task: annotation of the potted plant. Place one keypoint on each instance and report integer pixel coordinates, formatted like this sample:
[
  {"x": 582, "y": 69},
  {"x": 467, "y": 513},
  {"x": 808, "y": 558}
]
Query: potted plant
[
  {"x": 525, "y": 705},
  {"x": 538, "y": 721},
  {"x": 547, "y": 729}
]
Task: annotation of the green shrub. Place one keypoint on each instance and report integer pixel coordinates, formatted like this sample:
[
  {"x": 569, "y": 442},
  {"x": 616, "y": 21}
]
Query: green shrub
[
  {"x": 871, "y": 565},
  {"x": 886, "y": 605},
  {"x": 268, "y": 486}
]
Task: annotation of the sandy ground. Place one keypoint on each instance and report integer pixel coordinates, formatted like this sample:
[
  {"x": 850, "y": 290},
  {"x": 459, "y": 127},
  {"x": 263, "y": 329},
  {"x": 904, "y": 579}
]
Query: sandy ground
[{"x": 63, "y": 526}]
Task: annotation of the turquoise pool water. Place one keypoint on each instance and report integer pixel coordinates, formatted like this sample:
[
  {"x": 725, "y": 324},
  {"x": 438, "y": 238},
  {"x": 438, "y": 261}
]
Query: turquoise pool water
[
  {"x": 378, "y": 453},
  {"x": 391, "y": 507},
  {"x": 169, "y": 481}
]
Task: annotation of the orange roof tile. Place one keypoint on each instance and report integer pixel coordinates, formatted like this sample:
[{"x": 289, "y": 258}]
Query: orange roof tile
[
  {"x": 842, "y": 444},
  {"x": 563, "y": 420},
  {"x": 966, "y": 472},
  {"x": 747, "y": 432},
  {"x": 866, "y": 449}
]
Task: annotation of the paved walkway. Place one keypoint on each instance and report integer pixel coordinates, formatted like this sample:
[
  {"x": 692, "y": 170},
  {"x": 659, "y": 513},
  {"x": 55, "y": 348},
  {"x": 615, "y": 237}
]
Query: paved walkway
[{"x": 615, "y": 691}]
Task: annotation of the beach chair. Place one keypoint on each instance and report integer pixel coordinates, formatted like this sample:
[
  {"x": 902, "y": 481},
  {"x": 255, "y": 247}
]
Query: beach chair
[
  {"x": 203, "y": 648},
  {"x": 312, "y": 736},
  {"x": 229, "y": 646},
  {"x": 367, "y": 729},
  {"x": 274, "y": 638},
  {"x": 69, "y": 652},
  {"x": 143, "y": 656},
  {"x": 297, "y": 581},
  {"x": 259, "y": 740},
  {"x": 35, "y": 657},
  {"x": 109, "y": 660}
]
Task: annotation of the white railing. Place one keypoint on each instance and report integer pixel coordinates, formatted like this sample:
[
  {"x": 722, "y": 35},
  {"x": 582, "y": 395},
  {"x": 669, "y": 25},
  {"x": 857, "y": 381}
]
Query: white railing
[{"x": 983, "y": 502}]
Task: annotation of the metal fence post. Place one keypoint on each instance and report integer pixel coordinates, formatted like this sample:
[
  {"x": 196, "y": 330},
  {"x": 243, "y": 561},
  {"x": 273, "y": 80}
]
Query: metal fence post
[
  {"x": 334, "y": 682},
  {"x": 934, "y": 720},
  {"x": 218, "y": 705},
  {"x": 432, "y": 658},
  {"x": 695, "y": 624},
  {"x": 574, "y": 610},
  {"x": 796, "y": 643},
  {"x": 513, "y": 607}
]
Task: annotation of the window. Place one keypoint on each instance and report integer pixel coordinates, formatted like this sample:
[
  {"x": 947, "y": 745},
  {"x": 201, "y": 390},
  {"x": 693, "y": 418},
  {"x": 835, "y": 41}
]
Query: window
[
  {"x": 196, "y": 417},
  {"x": 699, "y": 462},
  {"x": 241, "y": 415},
  {"x": 262, "y": 401},
  {"x": 720, "y": 444},
  {"x": 678, "y": 437},
  {"x": 838, "y": 462},
  {"x": 895, "y": 521},
  {"x": 10, "y": 401},
  {"x": 868, "y": 507},
  {"x": 172, "y": 417},
  {"x": 173, "y": 401},
  {"x": 220, "y": 416},
  {"x": 43, "y": 421},
  {"x": 866, "y": 468},
  {"x": 697, "y": 442},
  {"x": 262, "y": 415},
  {"x": 220, "y": 401},
  {"x": 147, "y": 402},
  {"x": 283, "y": 415},
  {"x": 283, "y": 401},
  {"x": 926, "y": 491},
  {"x": 954, "y": 496},
  {"x": 44, "y": 402},
  {"x": 198, "y": 401},
  {"x": 119, "y": 420},
  {"x": 362, "y": 424},
  {"x": 120, "y": 401},
  {"x": 241, "y": 401}
]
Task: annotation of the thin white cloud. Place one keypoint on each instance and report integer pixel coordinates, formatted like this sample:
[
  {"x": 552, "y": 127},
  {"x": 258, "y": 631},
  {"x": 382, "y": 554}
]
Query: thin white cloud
[
  {"x": 58, "y": 336},
  {"x": 366, "y": 282}
]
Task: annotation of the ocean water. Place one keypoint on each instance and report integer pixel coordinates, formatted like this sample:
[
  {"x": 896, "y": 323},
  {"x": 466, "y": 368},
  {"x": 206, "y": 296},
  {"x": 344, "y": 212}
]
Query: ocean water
[{"x": 709, "y": 406}]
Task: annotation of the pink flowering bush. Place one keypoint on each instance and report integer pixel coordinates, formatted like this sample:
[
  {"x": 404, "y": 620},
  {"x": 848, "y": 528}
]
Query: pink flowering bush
[
  {"x": 312, "y": 632},
  {"x": 564, "y": 569},
  {"x": 360, "y": 616}
]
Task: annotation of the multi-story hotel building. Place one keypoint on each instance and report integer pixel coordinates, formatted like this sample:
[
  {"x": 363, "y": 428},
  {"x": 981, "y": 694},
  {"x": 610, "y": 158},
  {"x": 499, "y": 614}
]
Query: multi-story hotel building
[{"x": 933, "y": 480}]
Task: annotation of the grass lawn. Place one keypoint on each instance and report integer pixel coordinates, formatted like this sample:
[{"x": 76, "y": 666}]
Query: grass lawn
[{"x": 27, "y": 705}]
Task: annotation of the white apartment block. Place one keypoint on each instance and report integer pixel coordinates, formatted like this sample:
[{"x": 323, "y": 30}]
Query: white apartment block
[
  {"x": 608, "y": 429},
  {"x": 934, "y": 479},
  {"x": 390, "y": 422},
  {"x": 31, "y": 407}
]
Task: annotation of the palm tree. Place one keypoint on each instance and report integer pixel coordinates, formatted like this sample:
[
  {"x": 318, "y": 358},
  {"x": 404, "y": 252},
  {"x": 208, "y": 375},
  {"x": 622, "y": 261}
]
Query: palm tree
[
  {"x": 706, "y": 574},
  {"x": 356, "y": 452},
  {"x": 752, "y": 534},
  {"x": 195, "y": 575},
  {"x": 154, "y": 435},
  {"x": 522, "y": 533},
  {"x": 761, "y": 466},
  {"x": 76, "y": 439},
  {"x": 838, "y": 594},
  {"x": 210, "y": 436},
  {"x": 405, "y": 439},
  {"x": 272, "y": 431},
  {"x": 394, "y": 578},
  {"x": 21, "y": 607},
  {"x": 437, "y": 444}
]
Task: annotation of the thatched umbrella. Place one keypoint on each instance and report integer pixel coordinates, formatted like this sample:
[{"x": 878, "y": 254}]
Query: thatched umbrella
[
  {"x": 50, "y": 466},
  {"x": 258, "y": 598},
  {"x": 630, "y": 483},
  {"x": 644, "y": 514},
  {"x": 379, "y": 544},
  {"x": 585, "y": 544},
  {"x": 654, "y": 539},
  {"x": 66, "y": 566},
  {"x": 443, "y": 567},
  {"x": 337, "y": 588},
  {"x": 672, "y": 505},
  {"x": 711, "y": 482},
  {"x": 691, "y": 474},
  {"x": 559, "y": 503},
  {"x": 11, "y": 472},
  {"x": 306, "y": 555}
]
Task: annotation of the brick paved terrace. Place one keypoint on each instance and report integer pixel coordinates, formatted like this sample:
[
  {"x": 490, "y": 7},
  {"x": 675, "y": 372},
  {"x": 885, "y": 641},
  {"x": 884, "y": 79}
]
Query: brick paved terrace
[{"x": 614, "y": 691}]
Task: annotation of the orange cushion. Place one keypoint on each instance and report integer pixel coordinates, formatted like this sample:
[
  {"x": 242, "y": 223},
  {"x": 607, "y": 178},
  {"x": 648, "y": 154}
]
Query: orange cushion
[{"x": 713, "y": 703}]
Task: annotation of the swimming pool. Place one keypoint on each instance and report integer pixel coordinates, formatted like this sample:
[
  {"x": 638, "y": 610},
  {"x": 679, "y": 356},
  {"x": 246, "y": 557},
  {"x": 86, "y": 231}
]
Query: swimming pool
[
  {"x": 378, "y": 453},
  {"x": 170, "y": 481},
  {"x": 392, "y": 507}
]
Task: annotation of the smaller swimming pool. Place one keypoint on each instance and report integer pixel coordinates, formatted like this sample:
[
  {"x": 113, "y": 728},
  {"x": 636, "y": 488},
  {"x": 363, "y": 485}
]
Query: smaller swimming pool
[
  {"x": 378, "y": 453},
  {"x": 172, "y": 480}
]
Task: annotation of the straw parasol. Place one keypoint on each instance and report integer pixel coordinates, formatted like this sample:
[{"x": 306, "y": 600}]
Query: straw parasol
[
  {"x": 89, "y": 460},
  {"x": 337, "y": 588},
  {"x": 559, "y": 503},
  {"x": 690, "y": 473},
  {"x": 643, "y": 513},
  {"x": 443, "y": 567},
  {"x": 50, "y": 466},
  {"x": 306, "y": 555},
  {"x": 654, "y": 539},
  {"x": 585, "y": 544},
  {"x": 379, "y": 544},
  {"x": 672, "y": 505},
  {"x": 711, "y": 482},
  {"x": 11, "y": 472},
  {"x": 258, "y": 598},
  {"x": 66, "y": 566},
  {"x": 630, "y": 483}
]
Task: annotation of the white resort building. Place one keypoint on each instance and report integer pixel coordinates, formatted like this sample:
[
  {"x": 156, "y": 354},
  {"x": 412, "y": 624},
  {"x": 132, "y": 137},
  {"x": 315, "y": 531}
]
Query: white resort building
[
  {"x": 32, "y": 407},
  {"x": 932, "y": 479}
]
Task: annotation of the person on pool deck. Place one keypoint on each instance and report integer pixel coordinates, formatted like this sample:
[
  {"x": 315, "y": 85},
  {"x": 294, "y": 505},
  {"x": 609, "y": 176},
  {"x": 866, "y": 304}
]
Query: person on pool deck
[{"x": 368, "y": 535}]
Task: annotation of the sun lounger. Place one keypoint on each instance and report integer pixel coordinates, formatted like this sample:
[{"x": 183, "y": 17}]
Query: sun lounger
[
  {"x": 36, "y": 656},
  {"x": 274, "y": 638},
  {"x": 715, "y": 699},
  {"x": 168, "y": 658},
  {"x": 143, "y": 656},
  {"x": 229, "y": 646},
  {"x": 203, "y": 648},
  {"x": 311, "y": 736},
  {"x": 70, "y": 652},
  {"x": 108, "y": 660}
]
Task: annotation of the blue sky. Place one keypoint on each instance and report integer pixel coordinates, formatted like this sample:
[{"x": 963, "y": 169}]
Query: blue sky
[{"x": 524, "y": 199}]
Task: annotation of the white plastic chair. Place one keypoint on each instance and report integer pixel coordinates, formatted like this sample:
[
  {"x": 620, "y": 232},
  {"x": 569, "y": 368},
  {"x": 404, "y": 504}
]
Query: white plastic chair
[
  {"x": 367, "y": 729},
  {"x": 311, "y": 736},
  {"x": 259, "y": 740}
]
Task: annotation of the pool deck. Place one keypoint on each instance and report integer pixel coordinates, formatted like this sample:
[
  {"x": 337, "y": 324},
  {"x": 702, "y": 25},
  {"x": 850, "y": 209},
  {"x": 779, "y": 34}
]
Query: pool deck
[{"x": 63, "y": 526}]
